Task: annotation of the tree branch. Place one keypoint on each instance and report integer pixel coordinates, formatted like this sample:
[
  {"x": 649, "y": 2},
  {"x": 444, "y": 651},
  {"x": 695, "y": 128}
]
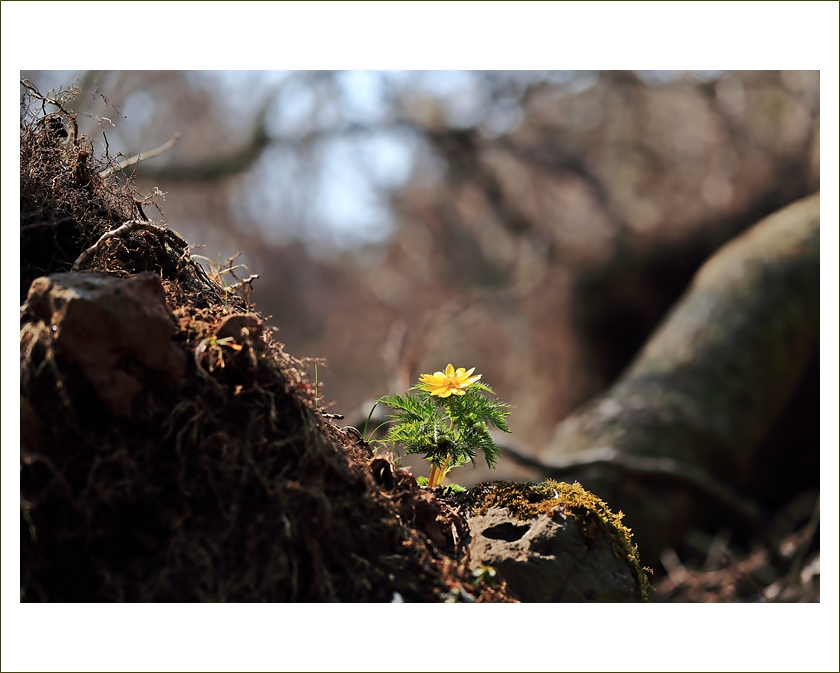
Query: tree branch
[{"x": 141, "y": 157}]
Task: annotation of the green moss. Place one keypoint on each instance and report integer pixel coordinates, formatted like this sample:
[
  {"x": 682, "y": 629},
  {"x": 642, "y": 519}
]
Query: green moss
[{"x": 530, "y": 500}]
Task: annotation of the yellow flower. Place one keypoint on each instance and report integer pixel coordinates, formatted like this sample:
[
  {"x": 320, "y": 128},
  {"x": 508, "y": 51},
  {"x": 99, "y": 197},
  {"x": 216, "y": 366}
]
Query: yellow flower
[{"x": 451, "y": 382}]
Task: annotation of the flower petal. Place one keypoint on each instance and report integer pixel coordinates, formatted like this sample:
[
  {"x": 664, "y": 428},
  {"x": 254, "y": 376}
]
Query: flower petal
[{"x": 451, "y": 381}]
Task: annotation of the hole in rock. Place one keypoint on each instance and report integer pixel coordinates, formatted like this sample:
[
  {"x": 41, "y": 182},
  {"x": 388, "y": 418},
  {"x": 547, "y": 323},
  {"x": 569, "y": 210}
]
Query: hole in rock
[{"x": 505, "y": 531}]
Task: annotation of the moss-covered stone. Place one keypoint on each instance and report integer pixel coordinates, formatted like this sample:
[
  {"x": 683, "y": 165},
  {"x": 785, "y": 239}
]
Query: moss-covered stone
[{"x": 530, "y": 500}]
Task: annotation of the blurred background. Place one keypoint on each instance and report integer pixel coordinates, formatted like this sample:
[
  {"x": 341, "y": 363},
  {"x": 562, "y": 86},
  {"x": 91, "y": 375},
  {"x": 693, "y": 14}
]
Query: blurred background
[{"x": 535, "y": 225}]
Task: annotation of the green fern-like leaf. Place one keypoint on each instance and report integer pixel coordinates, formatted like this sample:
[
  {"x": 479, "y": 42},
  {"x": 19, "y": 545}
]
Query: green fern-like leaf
[{"x": 449, "y": 430}]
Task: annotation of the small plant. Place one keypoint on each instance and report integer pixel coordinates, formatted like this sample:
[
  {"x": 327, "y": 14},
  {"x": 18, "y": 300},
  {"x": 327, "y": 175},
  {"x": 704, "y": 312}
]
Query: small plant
[{"x": 447, "y": 421}]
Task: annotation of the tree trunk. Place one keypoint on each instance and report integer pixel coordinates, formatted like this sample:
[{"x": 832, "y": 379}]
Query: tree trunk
[{"x": 685, "y": 420}]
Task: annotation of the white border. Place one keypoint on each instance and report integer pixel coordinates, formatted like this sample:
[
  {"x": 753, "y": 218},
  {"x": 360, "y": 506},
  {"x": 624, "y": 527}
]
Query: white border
[{"x": 521, "y": 35}]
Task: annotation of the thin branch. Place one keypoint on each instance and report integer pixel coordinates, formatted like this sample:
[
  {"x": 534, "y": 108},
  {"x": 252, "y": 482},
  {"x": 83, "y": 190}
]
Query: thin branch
[
  {"x": 52, "y": 101},
  {"x": 141, "y": 157},
  {"x": 126, "y": 228},
  {"x": 249, "y": 280}
]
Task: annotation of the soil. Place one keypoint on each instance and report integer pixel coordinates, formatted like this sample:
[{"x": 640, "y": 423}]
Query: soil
[{"x": 171, "y": 450}]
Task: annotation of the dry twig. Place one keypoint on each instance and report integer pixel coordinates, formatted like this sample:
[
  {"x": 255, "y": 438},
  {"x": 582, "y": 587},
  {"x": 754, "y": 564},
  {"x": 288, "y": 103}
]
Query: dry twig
[
  {"x": 141, "y": 157},
  {"x": 126, "y": 228}
]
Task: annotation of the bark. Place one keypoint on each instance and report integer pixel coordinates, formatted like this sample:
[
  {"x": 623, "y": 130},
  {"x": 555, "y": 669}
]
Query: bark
[{"x": 682, "y": 426}]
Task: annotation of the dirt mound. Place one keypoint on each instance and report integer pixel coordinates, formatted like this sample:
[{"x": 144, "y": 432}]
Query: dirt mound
[{"x": 171, "y": 450}]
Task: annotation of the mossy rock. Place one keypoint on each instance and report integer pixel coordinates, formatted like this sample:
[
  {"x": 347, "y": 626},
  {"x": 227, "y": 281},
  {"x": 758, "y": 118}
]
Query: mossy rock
[{"x": 553, "y": 541}]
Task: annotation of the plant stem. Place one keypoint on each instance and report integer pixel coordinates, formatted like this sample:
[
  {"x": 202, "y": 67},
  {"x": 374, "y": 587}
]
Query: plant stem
[
  {"x": 437, "y": 474},
  {"x": 432, "y": 475}
]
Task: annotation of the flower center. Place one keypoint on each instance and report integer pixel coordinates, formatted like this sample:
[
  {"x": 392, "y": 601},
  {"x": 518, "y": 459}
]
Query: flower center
[{"x": 451, "y": 383}]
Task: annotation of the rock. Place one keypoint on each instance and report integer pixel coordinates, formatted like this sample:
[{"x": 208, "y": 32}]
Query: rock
[
  {"x": 554, "y": 545},
  {"x": 547, "y": 559},
  {"x": 118, "y": 331}
]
